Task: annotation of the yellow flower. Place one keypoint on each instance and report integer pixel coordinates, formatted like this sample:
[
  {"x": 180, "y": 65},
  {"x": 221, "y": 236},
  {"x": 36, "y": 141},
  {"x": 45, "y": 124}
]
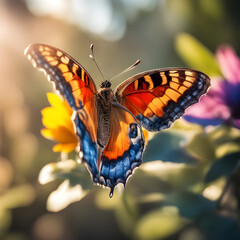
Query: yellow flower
[{"x": 58, "y": 124}]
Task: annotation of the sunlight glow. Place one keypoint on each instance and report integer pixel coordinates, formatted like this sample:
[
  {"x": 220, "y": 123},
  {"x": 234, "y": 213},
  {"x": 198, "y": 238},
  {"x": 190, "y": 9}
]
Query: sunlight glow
[
  {"x": 64, "y": 195},
  {"x": 158, "y": 166},
  {"x": 133, "y": 7},
  {"x": 212, "y": 192},
  {"x": 100, "y": 12},
  {"x": 45, "y": 7},
  {"x": 48, "y": 172},
  {"x": 45, "y": 175},
  {"x": 96, "y": 17}
]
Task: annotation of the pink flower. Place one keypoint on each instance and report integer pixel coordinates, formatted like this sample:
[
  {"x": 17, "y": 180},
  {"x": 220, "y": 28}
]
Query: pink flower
[{"x": 222, "y": 102}]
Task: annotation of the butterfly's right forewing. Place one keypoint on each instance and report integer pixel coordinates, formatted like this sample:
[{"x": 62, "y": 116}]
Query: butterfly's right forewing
[{"x": 158, "y": 97}]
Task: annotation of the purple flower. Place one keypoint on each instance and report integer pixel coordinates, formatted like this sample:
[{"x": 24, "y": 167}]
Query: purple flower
[{"x": 222, "y": 102}]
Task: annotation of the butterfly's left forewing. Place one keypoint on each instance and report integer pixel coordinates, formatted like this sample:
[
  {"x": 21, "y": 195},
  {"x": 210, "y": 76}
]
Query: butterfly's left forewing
[
  {"x": 158, "y": 97},
  {"x": 77, "y": 87},
  {"x": 68, "y": 76}
]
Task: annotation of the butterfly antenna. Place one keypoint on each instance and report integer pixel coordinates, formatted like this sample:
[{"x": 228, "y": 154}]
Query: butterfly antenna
[
  {"x": 126, "y": 70},
  {"x": 93, "y": 58}
]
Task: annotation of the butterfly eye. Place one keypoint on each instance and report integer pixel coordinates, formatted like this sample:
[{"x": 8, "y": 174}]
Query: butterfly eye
[{"x": 133, "y": 130}]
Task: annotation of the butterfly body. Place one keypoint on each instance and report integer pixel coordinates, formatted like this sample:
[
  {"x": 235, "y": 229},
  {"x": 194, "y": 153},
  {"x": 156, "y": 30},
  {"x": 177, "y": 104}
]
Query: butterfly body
[
  {"x": 109, "y": 122},
  {"x": 104, "y": 99}
]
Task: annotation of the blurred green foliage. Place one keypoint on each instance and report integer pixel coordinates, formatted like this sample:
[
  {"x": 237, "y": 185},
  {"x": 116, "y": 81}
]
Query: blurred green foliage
[
  {"x": 188, "y": 186},
  {"x": 196, "y": 55}
]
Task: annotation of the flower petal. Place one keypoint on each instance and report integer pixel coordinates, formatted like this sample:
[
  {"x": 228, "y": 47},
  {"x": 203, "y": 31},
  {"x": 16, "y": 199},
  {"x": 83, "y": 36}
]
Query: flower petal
[
  {"x": 236, "y": 123},
  {"x": 67, "y": 148},
  {"x": 60, "y": 134},
  {"x": 229, "y": 63},
  {"x": 57, "y": 102},
  {"x": 53, "y": 117},
  {"x": 211, "y": 106},
  {"x": 54, "y": 99},
  {"x": 47, "y": 133}
]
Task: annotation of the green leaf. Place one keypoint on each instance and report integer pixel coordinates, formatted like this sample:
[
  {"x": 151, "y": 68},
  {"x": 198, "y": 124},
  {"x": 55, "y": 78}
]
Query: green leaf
[
  {"x": 5, "y": 221},
  {"x": 174, "y": 175},
  {"x": 168, "y": 146},
  {"x": 190, "y": 205},
  {"x": 224, "y": 133},
  {"x": 126, "y": 213},
  {"x": 19, "y": 196},
  {"x": 67, "y": 169},
  {"x": 226, "y": 139},
  {"x": 219, "y": 227},
  {"x": 223, "y": 166},
  {"x": 74, "y": 187},
  {"x": 201, "y": 147},
  {"x": 103, "y": 201},
  {"x": 196, "y": 55},
  {"x": 159, "y": 224},
  {"x": 64, "y": 196}
]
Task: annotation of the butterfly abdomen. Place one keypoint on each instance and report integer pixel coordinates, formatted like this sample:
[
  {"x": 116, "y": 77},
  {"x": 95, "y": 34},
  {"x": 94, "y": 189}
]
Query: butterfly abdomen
[{"x": 104, "y": 103}]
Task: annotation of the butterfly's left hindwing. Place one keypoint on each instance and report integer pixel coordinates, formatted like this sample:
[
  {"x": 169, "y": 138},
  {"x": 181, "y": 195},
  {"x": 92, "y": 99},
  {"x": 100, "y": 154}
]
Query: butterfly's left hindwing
[{"x": 158, "y": 97}]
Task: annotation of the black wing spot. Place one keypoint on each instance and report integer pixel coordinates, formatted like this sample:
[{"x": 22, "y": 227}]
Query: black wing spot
[
  {"x": 157, "y": 80},
  {"x": 133, "y": 130}
]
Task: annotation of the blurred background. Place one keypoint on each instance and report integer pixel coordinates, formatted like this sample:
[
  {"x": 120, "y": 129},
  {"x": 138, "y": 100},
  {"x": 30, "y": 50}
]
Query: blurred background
[{"x": 179, "y": 193}]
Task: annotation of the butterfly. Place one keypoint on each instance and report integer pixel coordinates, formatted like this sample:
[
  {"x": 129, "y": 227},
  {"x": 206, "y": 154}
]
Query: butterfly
[{"x": 109, "y": 122}]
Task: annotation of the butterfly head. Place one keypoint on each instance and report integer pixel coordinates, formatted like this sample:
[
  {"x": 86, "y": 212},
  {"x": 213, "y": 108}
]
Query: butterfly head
[{"x": 105, "y": 84}]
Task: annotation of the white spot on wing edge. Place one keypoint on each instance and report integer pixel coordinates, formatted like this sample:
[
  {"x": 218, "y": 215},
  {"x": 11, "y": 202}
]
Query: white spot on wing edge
[
  {"x": 26, "y": 50},
  {"x": 48, "y": 77},
  {"x": 42, "y": 70},
  {"x": 33, "y": 62},
  {"x": 29, "y": 57}
]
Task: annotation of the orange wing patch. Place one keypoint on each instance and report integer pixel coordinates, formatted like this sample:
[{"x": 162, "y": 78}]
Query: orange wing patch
[{"x": 119, "y": 142}]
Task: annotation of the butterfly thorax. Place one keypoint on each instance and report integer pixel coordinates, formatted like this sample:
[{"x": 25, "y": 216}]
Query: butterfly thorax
[{"x": 104, "y": 101}]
